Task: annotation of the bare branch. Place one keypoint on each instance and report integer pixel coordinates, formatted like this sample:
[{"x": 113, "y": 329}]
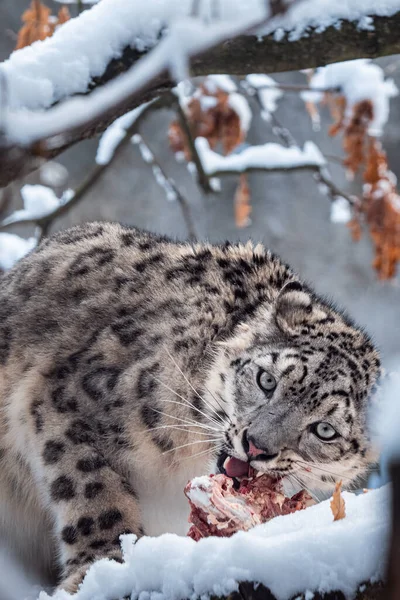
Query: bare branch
[
  {"x": 186, "y": 212},
  {"x": 202, "y": 178},
  {"x": 45, "y": 222}
]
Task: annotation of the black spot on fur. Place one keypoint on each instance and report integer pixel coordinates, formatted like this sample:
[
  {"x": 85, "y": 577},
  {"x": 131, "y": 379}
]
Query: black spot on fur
[
  {"x": 97, "y": 544},
  {"x": 85, "y": 525},
  {"x": 148, "y": 262},
  {"x": 90, "y": 260},
  {"x": 62, "y": 402},
  {"x": 150, "y": 417},
  {"x": 98, "y": 383},
  {"x": 91, "y": 463},
  {"x": 62, "y": 488},
  {"x": 128, "y": 238},
  {"x": 36, "y": 412},
  {"x": 127, "y": 330},
  {"x": 5, "y": 343},
  {"x": 52, "y": 452},
  {"x": 163, "y": 443},
  {"x": 80, "y": 432},
  {"x": 109, "y": 518},
  {"x": 69, "y": 535},
  {"x": 146, "y": 383},
  {"x": 93, "y": 489}
]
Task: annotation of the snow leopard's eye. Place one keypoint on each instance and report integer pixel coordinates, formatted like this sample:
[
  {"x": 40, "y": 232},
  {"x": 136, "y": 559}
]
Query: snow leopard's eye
[
  {"x": 324, "y": 431},
  {"x": 266, "y": 381}
]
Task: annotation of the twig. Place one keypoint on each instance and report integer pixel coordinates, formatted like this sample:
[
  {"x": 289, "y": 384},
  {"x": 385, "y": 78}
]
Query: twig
[
  {"x": 252, "y": 169},
  {"x": 320, "y": 173},
  {"x": 79, "y": 6},
  {"x": 201, "y": 174},
  {"x": 293, "y": 87},
  {"x": 334, "y": 191},
  {"x": 45, "y": 222},
  {"x": 186, "y": 213}
]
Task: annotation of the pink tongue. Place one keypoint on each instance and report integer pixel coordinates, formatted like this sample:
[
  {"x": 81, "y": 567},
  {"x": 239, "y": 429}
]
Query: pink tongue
[{"x": 236, "y": 468}]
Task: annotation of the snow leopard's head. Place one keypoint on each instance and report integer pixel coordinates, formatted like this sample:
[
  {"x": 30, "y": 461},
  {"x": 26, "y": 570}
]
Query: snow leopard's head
[{"x": 292, "y": 389}]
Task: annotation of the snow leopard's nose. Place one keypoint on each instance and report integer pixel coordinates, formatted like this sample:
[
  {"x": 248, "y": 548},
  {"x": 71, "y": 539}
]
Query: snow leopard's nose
[{"x": 254, "y": 449}]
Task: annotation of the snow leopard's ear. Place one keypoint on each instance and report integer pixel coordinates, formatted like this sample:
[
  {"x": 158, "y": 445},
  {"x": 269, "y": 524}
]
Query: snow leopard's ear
[{"x": 295, "y": 308}]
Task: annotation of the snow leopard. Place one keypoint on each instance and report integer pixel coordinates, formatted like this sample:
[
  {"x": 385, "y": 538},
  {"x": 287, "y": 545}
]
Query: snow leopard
[{"x": 131, "y": 363}]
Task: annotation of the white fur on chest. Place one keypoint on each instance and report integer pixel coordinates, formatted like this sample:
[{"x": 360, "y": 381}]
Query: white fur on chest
[{"x": 164, "y": 506}]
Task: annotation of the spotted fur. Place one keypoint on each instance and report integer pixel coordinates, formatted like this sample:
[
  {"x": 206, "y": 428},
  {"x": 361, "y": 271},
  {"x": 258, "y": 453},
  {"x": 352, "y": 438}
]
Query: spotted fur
[{"x": 128, "y": 363}]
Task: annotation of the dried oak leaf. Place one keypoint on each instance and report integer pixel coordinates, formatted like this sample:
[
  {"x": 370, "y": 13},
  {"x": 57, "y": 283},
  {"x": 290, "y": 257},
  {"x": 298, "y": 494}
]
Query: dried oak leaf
[
  {"x": 39, "y": 24},
  {"x": 338, "y": 503},
  {"x": 242, "y": 202}
]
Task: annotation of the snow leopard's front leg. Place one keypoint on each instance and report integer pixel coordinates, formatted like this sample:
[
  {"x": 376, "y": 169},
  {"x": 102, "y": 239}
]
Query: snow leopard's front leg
[{"x": 91, "y": 503}]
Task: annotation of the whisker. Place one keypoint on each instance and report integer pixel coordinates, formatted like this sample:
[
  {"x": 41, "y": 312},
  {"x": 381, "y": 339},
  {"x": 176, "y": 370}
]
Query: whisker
[
  {"x": 182, "y": 404},
  {"x": 191, "y": 423},
  {"x": 301, "y": 475},
  {"x": 219, "y": 404},
  {"x": 314, "y": 466},
  {"x": 187, "y": 402},
  {"x": 304, "y": 486},
  {"x": 192, "y": 387},
  {"x": 212, "y": 450},
  {"x": 179, "y": 428},
  {"x": 191, "y": 444}
]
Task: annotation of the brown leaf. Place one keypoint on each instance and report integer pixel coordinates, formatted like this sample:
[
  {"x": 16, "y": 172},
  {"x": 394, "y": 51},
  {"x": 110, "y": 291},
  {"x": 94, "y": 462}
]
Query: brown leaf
[
  {"x": 39, "y": 24},
  {"x": 242, "y": 202},
  {"x": 63, "y": 15},
  {"x": 337, "y": 503}
]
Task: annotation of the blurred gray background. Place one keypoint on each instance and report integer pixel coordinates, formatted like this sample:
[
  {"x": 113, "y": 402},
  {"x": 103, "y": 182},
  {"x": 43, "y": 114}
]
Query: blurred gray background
[{"x": 290, "y": 215}]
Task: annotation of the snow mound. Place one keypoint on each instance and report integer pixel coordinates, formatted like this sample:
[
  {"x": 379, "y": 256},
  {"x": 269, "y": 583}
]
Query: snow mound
[{"x": 303, "y": 546}]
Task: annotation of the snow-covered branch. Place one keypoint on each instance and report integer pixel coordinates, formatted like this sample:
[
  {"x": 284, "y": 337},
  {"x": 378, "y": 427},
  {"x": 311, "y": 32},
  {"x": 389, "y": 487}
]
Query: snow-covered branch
[
  {"x": 108, "y": 39},
  {"x": 267, "y": 157}
]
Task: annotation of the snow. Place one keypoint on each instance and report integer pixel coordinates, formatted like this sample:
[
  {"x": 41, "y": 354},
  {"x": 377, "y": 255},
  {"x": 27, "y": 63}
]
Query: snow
[
  {"x": 358, "y": 80},
  {"x": 82, "y": 48},
  {"x": 53, "y": 174},
  {"x": 26, "y": 126},
  {"x": 223, "y": 82},
  {"x": 268, "y": 92},
  {"x": 239, "y": 104},
  {"x": 320, "y": 14},
  {"x": 13, "y": 248},
  {"x": 385, "y": 415},
  {"x": 39, "y": 201},
  {"x": 267, "y": 156},
  {"x": 340, "y": 210},
  {"x": 36, "y": 74},
  {"x": 303, "y": 546},
  {"x": 112, "y": 136}
]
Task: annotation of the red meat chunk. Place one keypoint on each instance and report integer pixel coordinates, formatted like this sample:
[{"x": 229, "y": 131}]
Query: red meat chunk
[{"x": 217, "y": 508}]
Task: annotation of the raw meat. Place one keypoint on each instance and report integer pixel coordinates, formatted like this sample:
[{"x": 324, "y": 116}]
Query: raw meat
[{"x": 217, "y": 508}]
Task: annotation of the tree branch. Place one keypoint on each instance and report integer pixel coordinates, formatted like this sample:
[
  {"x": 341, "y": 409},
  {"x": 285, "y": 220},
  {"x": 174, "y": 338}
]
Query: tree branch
[
  {"x": 241, "y": 55},
  {"x": 45, "y": 222}
]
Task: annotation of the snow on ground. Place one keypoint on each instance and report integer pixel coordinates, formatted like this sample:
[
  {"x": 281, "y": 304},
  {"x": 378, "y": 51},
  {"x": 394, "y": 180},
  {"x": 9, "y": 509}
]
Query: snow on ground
[
  {"x": 266, "y": 156},
  {"x": 357, "y": 80},
  {"x": 306, "y": 550},
  {"x": 65, "y": 64}
]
